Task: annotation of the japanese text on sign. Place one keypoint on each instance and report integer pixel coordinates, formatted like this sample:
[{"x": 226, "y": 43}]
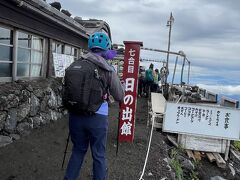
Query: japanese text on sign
[
  {"x": 127, "y": 113},
  {"x": 128, "y": 107},
  {"x": 61, "y": 62},
  {"x": 202, "y": 120}
]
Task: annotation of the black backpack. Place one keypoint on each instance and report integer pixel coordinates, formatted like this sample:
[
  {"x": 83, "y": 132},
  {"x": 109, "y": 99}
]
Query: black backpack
[{"x": 83, "y": 88}]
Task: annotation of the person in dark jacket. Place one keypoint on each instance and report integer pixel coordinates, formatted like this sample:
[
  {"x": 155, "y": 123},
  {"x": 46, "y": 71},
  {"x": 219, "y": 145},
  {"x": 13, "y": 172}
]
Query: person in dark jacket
[
  {"x": 141, "y": 81},
  {"x": 149, "y": 80},
  {"x": 92, "y": 129}
]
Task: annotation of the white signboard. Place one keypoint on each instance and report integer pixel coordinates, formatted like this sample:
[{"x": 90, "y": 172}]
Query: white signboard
[
  {"x": 61, "y": 62},
  {"x": 202, "y": 120}
]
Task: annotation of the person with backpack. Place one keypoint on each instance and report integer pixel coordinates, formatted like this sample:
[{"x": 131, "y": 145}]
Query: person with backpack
[
  {"x": 88, "y": 83},
  {"x": 149, "y": 80}
]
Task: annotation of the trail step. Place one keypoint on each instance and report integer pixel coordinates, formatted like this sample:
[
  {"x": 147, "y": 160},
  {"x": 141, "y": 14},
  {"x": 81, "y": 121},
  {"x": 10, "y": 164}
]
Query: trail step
[
  {"x": 211, "y": 157},
  {"x": 220, "y": 161},
  {"x": 190, "y": 154},
  {"x": 197, "y": 155}
]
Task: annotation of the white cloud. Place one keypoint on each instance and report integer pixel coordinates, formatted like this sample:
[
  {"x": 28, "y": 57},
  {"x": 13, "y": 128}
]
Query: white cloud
[
  {"x": 207, "y": 31},
  {"x": 222, "y": 89}
]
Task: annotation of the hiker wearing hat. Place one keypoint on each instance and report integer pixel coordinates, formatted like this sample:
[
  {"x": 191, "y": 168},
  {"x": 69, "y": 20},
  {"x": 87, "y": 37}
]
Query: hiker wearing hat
[{"x": 88, "y": 122}]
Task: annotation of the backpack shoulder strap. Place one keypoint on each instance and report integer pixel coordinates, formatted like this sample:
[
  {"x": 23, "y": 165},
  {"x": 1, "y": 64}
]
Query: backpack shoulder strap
[{"x": 97, "y": 74}]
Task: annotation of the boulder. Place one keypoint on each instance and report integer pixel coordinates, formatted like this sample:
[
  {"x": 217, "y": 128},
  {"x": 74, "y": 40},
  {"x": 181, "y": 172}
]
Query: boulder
[
  {"x": 55, "y": 115},
  {"x": 15, "y": 136},
  {"x": 23, "y": 111},
  {"x": 24, "y": 128},
  {"x": 11, "y": 120},
  {"x": 46, "y": 117},
  {"x": 3, "y": 102},
  {"x": 66, "y": 12},
  {"x": 25, "y": 96},
  {"x": 5, "y": 140},
  {"x": 39, "y": 93},
  {"x": 35, "y": 105},
  {"x": 37, "y": 121},
  {"x": 12, "y": 101},
  {"x": 44, "y": 103},
  {"x": 3, "y": 116},
  {"x": 56, "y": 5},
  {"x": 52, "y": 101}
]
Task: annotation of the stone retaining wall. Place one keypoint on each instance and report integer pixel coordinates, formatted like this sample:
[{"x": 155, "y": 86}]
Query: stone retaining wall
[{"x": 25, "y": 105}]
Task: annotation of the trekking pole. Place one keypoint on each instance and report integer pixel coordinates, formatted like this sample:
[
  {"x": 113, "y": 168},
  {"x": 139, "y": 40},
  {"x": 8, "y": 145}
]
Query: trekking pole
[
  {"x": 65, "y": 152},
  {"x": 118, "y": 128}
]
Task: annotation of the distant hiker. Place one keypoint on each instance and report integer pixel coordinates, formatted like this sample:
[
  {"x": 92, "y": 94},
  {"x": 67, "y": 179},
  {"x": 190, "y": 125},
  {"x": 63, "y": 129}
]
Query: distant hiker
[
  {"x": 156, "y": 77},
  {"x": 88, "y": 123},
  {"x": 149, "y": 80},
  {"x": 164, "y": 74},
  {"x": 141, "y": 81}
]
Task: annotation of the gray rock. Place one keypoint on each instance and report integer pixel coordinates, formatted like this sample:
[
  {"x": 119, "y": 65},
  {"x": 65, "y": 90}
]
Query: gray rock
[
  {"x": 35, "y": 105},
  {"x": 59, "y": 101},
  {"x": 17, "y": 92},
  {"x": 187, "y": 165},
  {"x": 23, "y": 111},
  {"x": 217, "y": 178},
  {"x": 3, "y": 102},
  {"x": 25, "y": 96},
  {"x": 30, "y": 121},
  {"x": 52, "y": 101},
  {"x": 12, "y": 101},
  {"x": 46, "y": 117},
  {"x": 43, "y": 106},
  {"x": 48, "y": 91},
  {"x": 24, "y": 128},
  {"x": 233, "y": 172},
  {"x": 235, "y": 156},
  {"x": 3, "y": 116},
  {"x": 55, "y": 115},
  {"x": 173, "y": 176},
  {"x": 150, "y": 174},
  {"x": 29, "y": 88},
  {"x": 65, "y": 112},
  {"x": 169, "y": 168},
  {"x": 5, "y": 140},
  {"x": 37, "y": 121},
  {"x": 180, "y": 158},
  {"x": 166, "y": 160},
  {"x": 11, "y": 120},
  {"x": 165, "y": 178},
  {"x": 15, "y": 136},
  {"x": 39, "y": 93}
]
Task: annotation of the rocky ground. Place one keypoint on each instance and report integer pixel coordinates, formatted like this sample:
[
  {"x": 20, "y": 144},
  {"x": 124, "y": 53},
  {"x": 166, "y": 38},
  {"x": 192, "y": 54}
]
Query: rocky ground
[{"x": 38, "y": 156}]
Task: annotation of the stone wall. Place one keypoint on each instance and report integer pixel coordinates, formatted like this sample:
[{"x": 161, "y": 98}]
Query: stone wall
[{"x": 26, "y": 105}]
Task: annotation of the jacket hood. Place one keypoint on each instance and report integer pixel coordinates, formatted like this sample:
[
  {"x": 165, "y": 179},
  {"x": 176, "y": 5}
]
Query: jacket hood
[{"x": 98, "y": 60}]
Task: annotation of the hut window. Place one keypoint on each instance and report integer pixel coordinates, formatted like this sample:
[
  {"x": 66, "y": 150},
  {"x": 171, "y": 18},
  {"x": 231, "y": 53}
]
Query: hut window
[
  {"x": 29, "y": 55},
  {"x": 6, "y": 48}
]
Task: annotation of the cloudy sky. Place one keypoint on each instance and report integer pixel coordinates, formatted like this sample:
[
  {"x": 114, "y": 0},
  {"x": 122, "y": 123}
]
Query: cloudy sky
[{"x": 207, "y": 31}]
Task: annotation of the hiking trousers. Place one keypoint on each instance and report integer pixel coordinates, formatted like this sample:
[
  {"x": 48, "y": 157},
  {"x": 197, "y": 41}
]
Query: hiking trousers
[{"x": 84, "y": 131}]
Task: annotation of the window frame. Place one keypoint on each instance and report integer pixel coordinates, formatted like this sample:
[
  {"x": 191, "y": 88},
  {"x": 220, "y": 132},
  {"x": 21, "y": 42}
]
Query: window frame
[
  {"x": 7, "y": 79},
  {"x": 54, "y": 50},
  {"x": 30, "y": 63}
]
